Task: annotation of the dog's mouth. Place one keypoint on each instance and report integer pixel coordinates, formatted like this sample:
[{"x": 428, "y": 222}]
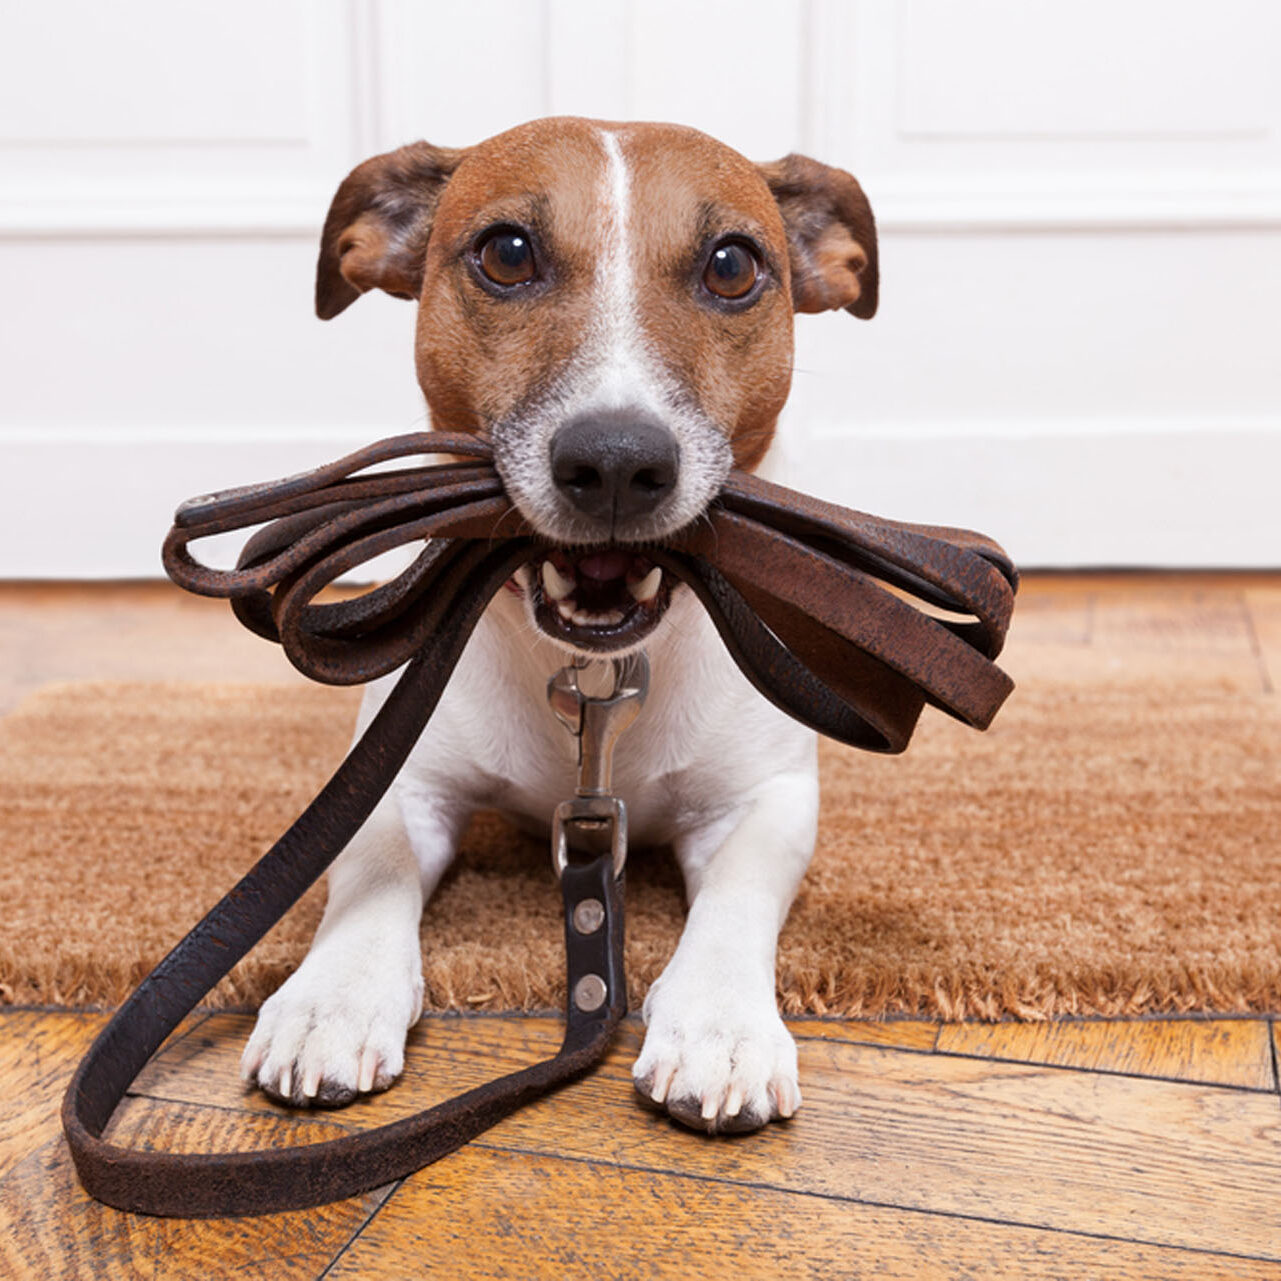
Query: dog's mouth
[{"x": 601, "y": 599}]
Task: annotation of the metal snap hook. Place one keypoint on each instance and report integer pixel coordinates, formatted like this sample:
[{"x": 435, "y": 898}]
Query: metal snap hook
[{"x": 595, "y": 819}]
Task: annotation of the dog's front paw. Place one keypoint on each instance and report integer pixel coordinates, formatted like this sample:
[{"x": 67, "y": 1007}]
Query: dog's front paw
[
  {"x": 333, "y": 1031},
  {"x": 715, "y": 1058}
]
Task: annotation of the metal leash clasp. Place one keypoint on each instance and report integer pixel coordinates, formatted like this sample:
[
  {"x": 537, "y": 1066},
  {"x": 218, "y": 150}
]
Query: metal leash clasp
[{"x": 594, "y": 819}]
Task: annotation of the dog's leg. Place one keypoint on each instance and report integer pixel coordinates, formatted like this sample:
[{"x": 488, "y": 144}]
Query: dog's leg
[
  {"x": 717, "y": 1055},
  {"x": 336, "y": 1028}
]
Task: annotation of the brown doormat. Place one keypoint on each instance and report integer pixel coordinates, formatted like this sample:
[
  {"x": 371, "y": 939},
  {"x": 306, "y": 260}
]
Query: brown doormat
[{"x": 1102, "y": 850}]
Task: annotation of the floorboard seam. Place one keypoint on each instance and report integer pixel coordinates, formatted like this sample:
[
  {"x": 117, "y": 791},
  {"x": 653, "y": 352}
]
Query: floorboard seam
[
  {"x": 1256, "y": 647},
  {"x": 760, "y": 1186},
  {"x": 201, "y": 1020},
  {"x": 1272, "y": 1047},
  {"x": 1051, "y": 1067},
  {"x": 356, "y": 1235}
]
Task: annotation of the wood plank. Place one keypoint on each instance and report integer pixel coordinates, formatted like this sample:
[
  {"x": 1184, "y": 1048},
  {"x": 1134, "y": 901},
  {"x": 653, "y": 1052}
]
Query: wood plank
[
  {"x": 1182, "y": 1164},
  {"x": 39, "y": 1050},
  {"x": 1219, "y": 1052},
  {"x": 1154, "y": 1161},
  {"x": 142, "y": 631},
  {"x": 1138, "y": 629},
  {"x": 1144, "y": 584},
  {"x": 1175, "y": 621},
  {"x": 486, "y": 1213},
  {"x": 1199, "y": 637},
  {"x": 49, "y": 1227},
  {"x": 204, "y": 1067},
  {"x": 1053, "y": 617},
  {"x": 913, "y": 1034},
  {"x": 444, "y": 1055},
  {"x": 124, "y": 631}
]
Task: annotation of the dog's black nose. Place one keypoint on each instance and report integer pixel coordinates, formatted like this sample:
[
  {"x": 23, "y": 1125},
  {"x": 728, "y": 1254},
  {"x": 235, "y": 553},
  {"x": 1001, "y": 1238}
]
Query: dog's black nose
[{"x": 615, "y": 464}]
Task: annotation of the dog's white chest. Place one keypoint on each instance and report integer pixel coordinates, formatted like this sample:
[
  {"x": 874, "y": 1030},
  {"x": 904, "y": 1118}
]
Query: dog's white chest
[{"x": 703, "y": 740}]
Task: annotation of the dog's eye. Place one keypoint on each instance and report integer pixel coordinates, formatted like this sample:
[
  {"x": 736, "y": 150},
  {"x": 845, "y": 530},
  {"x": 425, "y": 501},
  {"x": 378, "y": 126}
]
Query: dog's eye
[
  {"x": 732, "y": 270},
  {"x": 507, "y": 257}
]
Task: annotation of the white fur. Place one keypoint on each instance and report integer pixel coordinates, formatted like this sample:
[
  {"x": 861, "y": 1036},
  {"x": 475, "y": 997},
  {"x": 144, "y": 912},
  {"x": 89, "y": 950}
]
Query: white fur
[
  {"x": 615, "y": 368},
  {"x": 709, "y": 767},
  {"x": 619, "y": 373}
]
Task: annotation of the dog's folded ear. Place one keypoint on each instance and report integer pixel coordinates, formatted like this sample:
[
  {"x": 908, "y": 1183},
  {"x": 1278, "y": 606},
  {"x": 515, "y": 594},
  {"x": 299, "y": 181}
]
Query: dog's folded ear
[
  {"x": 375, "y": 235},
  {"x": 831, "y": 235}
]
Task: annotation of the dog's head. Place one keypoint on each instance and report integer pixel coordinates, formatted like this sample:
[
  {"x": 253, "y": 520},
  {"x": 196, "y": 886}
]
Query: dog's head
[{"x": 611, "y": 305}]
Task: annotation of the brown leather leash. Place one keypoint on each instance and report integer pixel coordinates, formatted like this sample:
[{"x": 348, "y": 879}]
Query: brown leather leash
[{"x": 809, "y": 598}]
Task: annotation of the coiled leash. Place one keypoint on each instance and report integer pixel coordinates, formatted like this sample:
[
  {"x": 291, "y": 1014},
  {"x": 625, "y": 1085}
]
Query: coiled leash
[{"x": 809, "y": 599}]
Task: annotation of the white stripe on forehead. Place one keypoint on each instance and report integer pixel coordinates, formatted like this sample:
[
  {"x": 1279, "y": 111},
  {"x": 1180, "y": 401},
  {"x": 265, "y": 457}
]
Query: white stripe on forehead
[
  {"x": 619, "y": 372},
  {"x": 614, "y": 271}
]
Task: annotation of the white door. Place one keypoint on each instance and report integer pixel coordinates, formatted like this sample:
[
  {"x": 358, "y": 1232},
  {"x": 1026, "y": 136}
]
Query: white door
[{"x": 1080, "y": 210}]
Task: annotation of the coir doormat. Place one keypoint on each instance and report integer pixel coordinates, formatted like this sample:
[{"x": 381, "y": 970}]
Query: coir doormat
[{"x": 1102, "y": 850}]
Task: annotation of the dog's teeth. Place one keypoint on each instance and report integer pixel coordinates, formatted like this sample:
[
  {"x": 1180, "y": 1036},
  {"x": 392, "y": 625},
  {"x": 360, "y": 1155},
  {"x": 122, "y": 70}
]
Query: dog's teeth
[
  {"x": 555, "y": 584},
  {"x": 647, "y": 588},
  {"x": 567, "y": 611},
  {"x": 585, "y": 618}
]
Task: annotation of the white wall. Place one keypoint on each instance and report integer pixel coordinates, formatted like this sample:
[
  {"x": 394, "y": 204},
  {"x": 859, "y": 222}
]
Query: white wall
[{"x": 1080, "y": 207}]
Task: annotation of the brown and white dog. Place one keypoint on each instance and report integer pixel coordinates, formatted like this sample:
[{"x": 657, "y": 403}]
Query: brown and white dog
[{"x": 611, "y": 305}]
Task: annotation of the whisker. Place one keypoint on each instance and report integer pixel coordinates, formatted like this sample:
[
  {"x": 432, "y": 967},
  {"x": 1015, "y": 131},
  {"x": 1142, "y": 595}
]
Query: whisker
[{"x": 516, "y": 514}]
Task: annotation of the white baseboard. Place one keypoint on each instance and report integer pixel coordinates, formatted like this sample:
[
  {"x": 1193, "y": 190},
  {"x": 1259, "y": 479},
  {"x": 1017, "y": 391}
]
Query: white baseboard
[{"x": 85, "y": 504}]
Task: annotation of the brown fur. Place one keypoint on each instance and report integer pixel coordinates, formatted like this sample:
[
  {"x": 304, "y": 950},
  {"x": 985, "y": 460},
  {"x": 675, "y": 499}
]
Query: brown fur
[
  {"x": 405, "y": 222},
  {"x": 376, "y": 232},
  {"x": 688, "y": 189},
  {"x": 831, "y": 234}
]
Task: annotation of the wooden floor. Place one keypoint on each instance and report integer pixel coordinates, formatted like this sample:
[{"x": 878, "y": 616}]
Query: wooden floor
[{"x": 1080, "y": 1149}]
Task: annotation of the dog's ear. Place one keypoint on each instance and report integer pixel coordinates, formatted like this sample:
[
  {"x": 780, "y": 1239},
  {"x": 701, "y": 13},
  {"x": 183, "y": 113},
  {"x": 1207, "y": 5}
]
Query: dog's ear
[
  {"x": 831, "y": 235},
  {"x": 375, "y": 235}
]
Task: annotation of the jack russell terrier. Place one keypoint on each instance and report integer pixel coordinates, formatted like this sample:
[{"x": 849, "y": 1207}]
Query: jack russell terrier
[{"x": 611, "y": 306}]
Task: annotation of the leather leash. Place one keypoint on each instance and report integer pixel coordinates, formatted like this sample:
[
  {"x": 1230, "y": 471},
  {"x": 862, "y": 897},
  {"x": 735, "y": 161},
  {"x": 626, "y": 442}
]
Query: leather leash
[{"x": 809, "y": 599}]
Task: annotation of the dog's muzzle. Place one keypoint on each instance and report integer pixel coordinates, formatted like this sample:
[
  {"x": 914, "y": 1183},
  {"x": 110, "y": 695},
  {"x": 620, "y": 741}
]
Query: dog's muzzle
[{"x": 617, "y": 468}]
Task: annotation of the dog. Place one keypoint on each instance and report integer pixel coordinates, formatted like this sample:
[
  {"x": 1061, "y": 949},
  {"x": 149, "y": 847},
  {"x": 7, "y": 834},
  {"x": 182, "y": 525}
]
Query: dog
[{"x": 611, "y": 306}]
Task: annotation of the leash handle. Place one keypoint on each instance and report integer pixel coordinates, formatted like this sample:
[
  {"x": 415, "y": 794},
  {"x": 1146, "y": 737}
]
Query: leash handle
[{"x": 215, "y": 1184}]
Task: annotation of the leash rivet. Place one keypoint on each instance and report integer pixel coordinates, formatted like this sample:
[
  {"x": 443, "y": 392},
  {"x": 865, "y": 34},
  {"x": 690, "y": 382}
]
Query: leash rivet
[
  {"x": 590, "y": 993},
  {"x": 589, "y": 916}
]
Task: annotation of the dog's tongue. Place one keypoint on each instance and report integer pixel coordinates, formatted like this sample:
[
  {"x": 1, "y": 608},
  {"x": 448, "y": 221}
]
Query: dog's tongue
[{"x": 603, "y": 566}]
